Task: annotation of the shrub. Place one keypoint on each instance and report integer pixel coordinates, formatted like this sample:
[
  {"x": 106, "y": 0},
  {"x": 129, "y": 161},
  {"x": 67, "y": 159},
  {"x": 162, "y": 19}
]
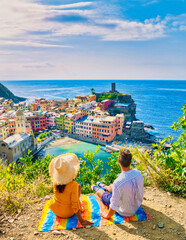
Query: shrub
[
  {"x": 23, "y": 182},
  {"x": 90, "y": 170},
  {"x": 167, "y": 168}
]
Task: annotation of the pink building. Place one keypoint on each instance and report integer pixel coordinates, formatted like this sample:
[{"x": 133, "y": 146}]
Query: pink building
[
  {"x": 50, "y": 120},
  {"x": 75, "y": 121},
  {"x": 103, "y": 105},
  {"x": 83, "y": 127}
]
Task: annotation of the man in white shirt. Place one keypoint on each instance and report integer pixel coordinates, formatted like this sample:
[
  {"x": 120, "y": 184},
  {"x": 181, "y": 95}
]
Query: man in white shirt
[{"x": 125, "y": 195}]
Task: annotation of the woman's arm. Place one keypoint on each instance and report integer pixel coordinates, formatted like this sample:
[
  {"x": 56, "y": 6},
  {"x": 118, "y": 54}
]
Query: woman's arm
[
  {"x": 76, "y": 204},
  {"x": 81, "y": 220}
]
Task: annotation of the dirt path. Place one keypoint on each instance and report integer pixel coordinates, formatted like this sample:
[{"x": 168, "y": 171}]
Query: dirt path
[{"x": 161, "y": 206}]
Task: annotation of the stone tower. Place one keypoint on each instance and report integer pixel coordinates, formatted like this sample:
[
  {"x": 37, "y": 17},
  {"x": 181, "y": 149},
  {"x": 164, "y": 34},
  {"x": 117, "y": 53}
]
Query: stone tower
[
  {"x": 20, "y": 122},
  {"x": 113, "y": 87}
]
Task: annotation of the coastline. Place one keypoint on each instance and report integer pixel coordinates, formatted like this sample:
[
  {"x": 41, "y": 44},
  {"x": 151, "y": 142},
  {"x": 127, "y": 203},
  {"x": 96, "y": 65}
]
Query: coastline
[
  {"x": 62, "y": 141},
  {"x": 66, "y": 140}
]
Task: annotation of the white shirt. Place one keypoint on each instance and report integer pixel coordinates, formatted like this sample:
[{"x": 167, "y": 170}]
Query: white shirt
[{"x": 127, "y": 192}]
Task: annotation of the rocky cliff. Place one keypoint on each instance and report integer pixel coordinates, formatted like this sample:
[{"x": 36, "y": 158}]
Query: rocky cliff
[{"x": 7, "y": 94}]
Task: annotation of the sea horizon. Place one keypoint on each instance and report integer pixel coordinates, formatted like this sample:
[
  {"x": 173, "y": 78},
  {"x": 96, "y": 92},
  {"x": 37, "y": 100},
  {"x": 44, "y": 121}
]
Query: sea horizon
[{"x": 88, "y": 79}]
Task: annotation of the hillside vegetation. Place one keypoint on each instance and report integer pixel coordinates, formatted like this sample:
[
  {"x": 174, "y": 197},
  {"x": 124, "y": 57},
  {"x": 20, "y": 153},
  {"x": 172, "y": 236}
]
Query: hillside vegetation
[
  {"x": 7, "y": 94},
  {"x": 121, "y": 97}
]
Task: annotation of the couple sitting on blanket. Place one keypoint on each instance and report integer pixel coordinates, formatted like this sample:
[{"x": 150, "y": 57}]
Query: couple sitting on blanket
[{"x": 124, "y": 196}]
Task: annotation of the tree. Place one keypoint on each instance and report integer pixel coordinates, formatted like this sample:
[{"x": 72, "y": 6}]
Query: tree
[{"x": 92, "y": 90}]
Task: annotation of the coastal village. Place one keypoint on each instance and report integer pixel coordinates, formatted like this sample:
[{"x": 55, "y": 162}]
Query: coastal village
[{"x": 106, "y": 118}]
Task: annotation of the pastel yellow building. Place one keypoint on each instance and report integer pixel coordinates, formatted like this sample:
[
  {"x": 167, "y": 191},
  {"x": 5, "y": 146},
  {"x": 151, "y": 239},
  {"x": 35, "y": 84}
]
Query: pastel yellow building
[
  {"x": 89, "y": 112},
  {"x": 44, "y": 107},
  {"x": 4, "y": 130},
  {"x": 83, "y": 98},
  {"x": 71, "y": 110},
  {"x": 67, "y": 122}
]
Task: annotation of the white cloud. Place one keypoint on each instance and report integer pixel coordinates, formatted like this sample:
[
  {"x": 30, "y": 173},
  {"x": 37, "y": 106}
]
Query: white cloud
[
  {"x": 38, "y": 65},
  {"x": 73, "y": 5},
  {"x": 126, "y": 30},
  {"x": 18, "y": 17},
  {"x": 150, "y": 2},
  {"x": 21, "y": 22},
  {"x": 31, "y": 44}
]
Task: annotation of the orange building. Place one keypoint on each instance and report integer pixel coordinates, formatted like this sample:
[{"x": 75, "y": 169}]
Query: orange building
[
  {"x": 105, "y": 129},
  {"x": 11, "y": 126},
  {"x": 34, "y": 106},
  {"x": 92, "y": 98}
]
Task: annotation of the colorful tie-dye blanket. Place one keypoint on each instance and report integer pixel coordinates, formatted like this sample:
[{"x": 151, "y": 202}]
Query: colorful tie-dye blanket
[{"x": 93, "y": 206}]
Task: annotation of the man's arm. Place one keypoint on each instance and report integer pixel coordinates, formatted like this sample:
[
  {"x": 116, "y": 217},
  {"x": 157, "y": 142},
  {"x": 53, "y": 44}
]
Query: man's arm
[{"x": 109, "y": 214}]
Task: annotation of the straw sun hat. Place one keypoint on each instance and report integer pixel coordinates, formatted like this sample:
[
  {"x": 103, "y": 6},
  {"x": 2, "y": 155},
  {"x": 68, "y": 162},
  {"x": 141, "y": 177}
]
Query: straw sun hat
[{"x": 64, "y": 168}]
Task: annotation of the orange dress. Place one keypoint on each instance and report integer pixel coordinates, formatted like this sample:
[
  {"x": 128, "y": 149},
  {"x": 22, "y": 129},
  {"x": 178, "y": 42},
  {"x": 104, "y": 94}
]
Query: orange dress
[{"x": 67, "y": 203}]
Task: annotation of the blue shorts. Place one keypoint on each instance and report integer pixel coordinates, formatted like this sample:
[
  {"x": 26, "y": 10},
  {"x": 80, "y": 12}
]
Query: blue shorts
[{"x": 106, "y": 198}]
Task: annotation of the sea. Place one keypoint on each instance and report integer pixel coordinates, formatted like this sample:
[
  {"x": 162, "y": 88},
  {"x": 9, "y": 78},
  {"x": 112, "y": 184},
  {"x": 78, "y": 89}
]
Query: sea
[{"x": 158, "y": 102}]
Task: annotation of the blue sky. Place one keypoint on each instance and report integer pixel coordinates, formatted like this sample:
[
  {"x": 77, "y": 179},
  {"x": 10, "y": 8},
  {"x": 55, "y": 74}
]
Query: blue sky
[{"x": 55, "y": 39}]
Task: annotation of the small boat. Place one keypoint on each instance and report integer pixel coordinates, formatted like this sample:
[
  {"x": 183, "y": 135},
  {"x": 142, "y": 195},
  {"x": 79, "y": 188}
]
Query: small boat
[{"x": 109, "y": 151}]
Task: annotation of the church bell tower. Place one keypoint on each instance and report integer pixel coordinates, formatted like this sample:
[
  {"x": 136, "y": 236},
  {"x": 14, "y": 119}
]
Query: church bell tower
[{"x": 20, "y": 122}]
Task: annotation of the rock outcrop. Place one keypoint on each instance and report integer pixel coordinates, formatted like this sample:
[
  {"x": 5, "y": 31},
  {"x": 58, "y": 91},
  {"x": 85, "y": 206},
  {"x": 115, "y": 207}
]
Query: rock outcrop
[{"x": 7, "y": 94}]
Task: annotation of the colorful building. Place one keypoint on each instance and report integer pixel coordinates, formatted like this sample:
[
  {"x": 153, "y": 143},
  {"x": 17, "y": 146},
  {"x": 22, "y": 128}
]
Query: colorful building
[
  {"x": 92, "y": 98},
  {"x": 67, "y": 122},
  {"x": 104, "y": 105},
  {"x": 50, "y": 120},
  {"x": 36, "y": 121},
  {"x": 105, "y": 129},
  {"x": 83, "y": 98},
  {"x": 23, "y": 106},
  {"x": 11, "y": 126},
  {"x": 4, "y": 131},
  {"x": 34, "y": 106},
  {"x": 74, "y": 120},
  {"x": 17, "y": 145},
  {"x": 60, "y": 121},
  {"x": 71, "y": 110},
  {"x": 83, "y": 126}
]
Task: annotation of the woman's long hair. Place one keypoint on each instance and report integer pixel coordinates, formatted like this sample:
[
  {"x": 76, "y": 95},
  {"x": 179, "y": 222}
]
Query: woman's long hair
[{"x": 60, "y": 188}]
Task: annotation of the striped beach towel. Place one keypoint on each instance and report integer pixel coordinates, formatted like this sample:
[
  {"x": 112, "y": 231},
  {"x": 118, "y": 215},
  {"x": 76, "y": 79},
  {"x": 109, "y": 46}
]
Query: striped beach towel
[{"x": 93, "y": 206}]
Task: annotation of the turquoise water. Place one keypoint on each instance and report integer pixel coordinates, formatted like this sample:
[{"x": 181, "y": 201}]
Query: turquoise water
[{"x": 78, "y": 148}]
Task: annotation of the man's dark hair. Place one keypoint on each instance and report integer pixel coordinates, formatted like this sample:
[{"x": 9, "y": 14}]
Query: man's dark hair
[{"x": 125, "y": 158}]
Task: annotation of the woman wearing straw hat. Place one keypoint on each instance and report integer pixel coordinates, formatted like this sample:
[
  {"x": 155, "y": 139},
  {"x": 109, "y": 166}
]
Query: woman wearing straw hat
[{"x": 66, "y": 201}]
